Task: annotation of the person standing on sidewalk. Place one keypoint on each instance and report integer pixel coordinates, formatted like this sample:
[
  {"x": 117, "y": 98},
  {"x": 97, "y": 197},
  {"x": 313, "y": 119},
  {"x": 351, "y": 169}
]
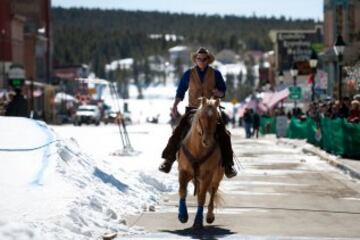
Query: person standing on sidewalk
[
  {"x": 201, "y": 81},
  {"x": 248, "y": 122},
  {"x": 18, "y": 106},
  {"x": 256, "y": 124}
]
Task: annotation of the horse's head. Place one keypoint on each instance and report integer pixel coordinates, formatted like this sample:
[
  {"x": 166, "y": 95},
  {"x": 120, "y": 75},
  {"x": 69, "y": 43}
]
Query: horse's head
[{"x": 207, "y": 120}]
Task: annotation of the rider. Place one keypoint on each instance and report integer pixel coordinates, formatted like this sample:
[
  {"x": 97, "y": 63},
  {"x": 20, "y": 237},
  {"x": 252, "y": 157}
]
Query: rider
[{"x": 202, "y": 81}]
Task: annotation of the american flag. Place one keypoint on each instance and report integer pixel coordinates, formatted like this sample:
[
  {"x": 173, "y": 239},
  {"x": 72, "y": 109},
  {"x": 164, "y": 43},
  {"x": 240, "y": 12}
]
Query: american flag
[{"x": 278, "y": 97}]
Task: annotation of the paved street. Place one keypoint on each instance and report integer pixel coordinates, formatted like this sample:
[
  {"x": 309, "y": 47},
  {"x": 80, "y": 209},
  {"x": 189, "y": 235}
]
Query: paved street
[{"x": 280, "y": 193}]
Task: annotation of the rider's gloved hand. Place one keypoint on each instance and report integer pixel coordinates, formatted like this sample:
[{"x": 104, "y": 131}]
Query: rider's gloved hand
[{"x": 174, "y": 111}]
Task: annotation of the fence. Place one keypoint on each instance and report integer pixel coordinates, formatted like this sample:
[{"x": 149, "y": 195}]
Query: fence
[{"x": 336, "y": 136}]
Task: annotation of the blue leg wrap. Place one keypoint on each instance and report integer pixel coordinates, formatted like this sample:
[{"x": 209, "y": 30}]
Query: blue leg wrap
[
  {"x": 183, "y": 213},
  {"x": 198, "y": 223}
]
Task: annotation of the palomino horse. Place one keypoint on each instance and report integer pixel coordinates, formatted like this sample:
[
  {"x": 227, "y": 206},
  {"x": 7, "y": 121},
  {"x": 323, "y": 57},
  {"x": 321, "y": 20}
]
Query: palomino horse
[{"x": 199, "y": 160}]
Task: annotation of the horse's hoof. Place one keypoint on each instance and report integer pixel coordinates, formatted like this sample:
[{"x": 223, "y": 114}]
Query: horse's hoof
[
  {"x": 183, "y": 213},
  {"x": 183, "y": 219},
  {"x": 198, "y": 226},
  {"x": 210, "y": 219}
]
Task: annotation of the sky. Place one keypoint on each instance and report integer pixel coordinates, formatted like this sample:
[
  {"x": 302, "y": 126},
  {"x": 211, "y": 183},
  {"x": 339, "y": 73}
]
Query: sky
[{"x": 302, "y": 9}]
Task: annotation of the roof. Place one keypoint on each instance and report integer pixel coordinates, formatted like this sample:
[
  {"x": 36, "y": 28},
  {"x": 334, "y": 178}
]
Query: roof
[{"x": 178, "y": 49}]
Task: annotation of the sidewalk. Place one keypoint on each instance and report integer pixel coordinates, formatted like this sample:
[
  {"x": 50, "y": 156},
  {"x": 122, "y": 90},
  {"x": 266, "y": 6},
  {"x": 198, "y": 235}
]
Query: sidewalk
[{"x": 349, "y": 166}]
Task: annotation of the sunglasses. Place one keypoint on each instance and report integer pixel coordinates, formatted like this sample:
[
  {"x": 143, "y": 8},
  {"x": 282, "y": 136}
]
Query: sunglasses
[{"x": 202, "y": 59}]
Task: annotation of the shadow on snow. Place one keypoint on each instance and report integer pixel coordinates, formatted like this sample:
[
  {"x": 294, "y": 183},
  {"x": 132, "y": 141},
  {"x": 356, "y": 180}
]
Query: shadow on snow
[{"x": 106, "y": 178}]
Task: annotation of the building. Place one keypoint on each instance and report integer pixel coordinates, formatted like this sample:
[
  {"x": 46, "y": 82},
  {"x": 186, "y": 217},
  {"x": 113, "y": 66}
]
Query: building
[
  {"x": 227, "y": 56},
  {"x": 25, "y": 41},
  {"x": 38, "y": 37},
  {"x": 179, "y": 53},
  {"x": 25, "y": 38},
  {"x": 294, "y": 47},
  {"x": 341, "y": 17},
  {"x": 66, "y": 77},
  {"x": 11, "y": 40}
]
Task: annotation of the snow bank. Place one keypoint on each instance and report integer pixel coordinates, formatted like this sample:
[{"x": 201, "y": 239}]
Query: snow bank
[{"x": 50, "y": 189}]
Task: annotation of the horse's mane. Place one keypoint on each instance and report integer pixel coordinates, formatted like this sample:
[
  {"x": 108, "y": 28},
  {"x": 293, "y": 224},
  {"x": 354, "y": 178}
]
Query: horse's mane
[
  {"x": 194, "y": 121},
  {"x": 196, "y": 116}
]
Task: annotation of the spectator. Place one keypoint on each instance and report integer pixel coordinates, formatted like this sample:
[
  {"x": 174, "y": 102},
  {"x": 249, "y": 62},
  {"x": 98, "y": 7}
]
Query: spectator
[
  {"x": 335, "y": 110},
  {"x": 357, "y": 97},
  {"x": 354, "y": 116},
  {"x": 256, "y": 125},
  {"x": 345, "y": 106},
  {"x": 248, "y": 121},
  {"x": 18, "y": 106}
]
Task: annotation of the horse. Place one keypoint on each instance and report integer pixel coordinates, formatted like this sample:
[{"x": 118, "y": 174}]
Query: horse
[{"x": 199, "y": 159}]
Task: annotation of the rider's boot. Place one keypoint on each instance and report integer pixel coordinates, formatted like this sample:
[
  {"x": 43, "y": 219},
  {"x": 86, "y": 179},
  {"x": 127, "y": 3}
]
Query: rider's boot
[
  {"x": 165, "y": 166},
  {"x": 230, "y": 171},
  {"x": 226, "y": 151},
  {"x": 169, "y": 153}
]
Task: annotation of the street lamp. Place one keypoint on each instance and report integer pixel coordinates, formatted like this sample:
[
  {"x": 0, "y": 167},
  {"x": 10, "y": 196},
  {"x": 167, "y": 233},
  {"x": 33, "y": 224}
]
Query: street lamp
[
  {"x": 281, "y": 84},
  {"x": 339, "y": 48},
  {"x": 281, "y": 77},
  {"x": 2, "y": 56},
  {"x": 313, "y": 64},
  {"x": 294, "y": 73}
]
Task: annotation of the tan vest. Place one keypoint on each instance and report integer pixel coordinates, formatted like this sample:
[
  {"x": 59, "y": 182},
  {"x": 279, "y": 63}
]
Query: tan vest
[{"x": 199, "y": 89}]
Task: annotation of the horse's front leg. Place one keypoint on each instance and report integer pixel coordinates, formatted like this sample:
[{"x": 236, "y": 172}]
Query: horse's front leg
[
  {"x": 203, "y": 186},
  {"x": 184, "y": 179}
]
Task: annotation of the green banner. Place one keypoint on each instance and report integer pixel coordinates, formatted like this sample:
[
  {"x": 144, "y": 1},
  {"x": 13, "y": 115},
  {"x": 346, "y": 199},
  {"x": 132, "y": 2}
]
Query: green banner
[
  {"x": 267, "y": 125},
  {"x": 332, "y": 133},
  {"x": 336, "y": 136},
  {"x": 352, "y": 139}
]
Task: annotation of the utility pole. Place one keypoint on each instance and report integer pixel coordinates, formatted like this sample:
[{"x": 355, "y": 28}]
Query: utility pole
[{"x": 32, "y": 97}]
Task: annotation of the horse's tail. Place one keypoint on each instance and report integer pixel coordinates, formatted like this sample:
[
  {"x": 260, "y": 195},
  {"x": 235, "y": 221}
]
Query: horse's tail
[
  {"x": 196, "y": 177},
  {"x": 218, "y": 199},
  {"x": 195, "y": 187}
]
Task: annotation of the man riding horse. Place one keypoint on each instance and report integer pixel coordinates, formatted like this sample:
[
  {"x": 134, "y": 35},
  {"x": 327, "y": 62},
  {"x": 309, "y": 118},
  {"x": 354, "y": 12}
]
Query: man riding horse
[{"x": 201, "y": 81}]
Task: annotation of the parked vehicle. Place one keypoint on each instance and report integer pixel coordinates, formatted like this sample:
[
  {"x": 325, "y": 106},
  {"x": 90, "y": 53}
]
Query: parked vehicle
[
  {"x": 109, "y": 116},
  {"x": 112, "y": 116},
  {"x": 87, "y": 114}
]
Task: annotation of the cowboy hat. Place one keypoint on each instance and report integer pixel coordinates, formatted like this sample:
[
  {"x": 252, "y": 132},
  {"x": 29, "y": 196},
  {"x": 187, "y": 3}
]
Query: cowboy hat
[{"x": 202, "y": 50}]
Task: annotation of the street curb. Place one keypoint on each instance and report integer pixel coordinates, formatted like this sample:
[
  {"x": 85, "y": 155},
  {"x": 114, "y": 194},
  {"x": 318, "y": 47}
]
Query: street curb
[{"x": 331, "y": 159}]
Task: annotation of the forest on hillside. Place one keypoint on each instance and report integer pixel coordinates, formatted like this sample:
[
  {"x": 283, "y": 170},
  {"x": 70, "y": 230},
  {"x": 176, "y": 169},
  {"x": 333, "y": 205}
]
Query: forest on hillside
[{"x": 96, "y": 37}]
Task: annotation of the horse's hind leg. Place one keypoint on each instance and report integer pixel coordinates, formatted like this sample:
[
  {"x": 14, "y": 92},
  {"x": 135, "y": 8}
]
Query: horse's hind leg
[{"x": 184, "y": 179}]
